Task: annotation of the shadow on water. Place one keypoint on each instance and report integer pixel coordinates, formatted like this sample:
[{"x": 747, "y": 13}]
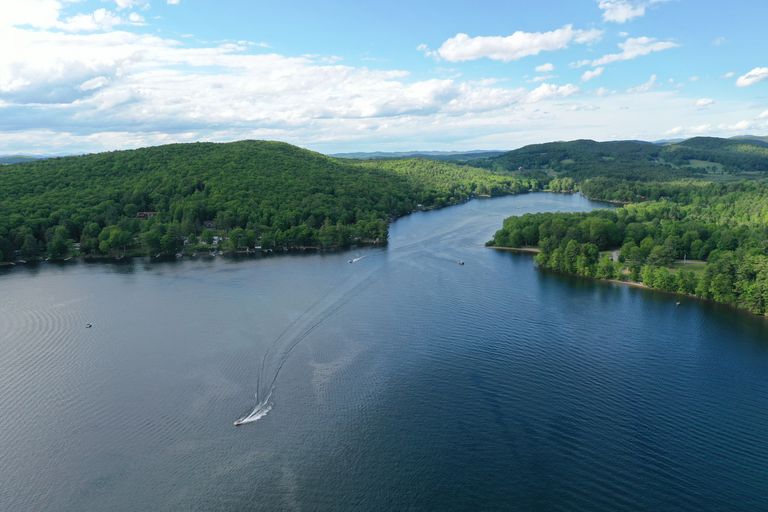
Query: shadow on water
[{"x": 741, "y": 324}]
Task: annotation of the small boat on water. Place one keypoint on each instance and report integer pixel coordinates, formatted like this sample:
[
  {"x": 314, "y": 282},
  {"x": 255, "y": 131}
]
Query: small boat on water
[
  {"x": 461, "y": 262},
  {"x": 239, "y": 422},
  {"x": 88, "y": 326}
]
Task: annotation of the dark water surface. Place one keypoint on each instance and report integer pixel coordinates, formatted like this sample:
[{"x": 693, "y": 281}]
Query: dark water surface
[{"x": 407, "y": 382}]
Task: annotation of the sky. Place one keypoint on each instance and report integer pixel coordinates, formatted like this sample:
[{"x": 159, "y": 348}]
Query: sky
[{"x": 81, "y": 76}]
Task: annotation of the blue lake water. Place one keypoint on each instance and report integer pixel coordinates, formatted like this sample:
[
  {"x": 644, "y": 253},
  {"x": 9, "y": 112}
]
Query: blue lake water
[{"x": 403, "y": 381}]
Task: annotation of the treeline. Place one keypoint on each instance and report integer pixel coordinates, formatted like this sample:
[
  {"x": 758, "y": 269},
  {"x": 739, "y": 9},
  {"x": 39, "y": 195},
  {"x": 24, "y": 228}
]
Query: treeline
[
  {"x": 583, "y": 159},
  {"x": 660, "y": 243},
  {"x": 733, "y": 154},
  {"x": 233, "y": 196},
  {"x": 626, "y": 191},
  {"x": 633, "y": 160},
  {"x": 436, "y": 183}
]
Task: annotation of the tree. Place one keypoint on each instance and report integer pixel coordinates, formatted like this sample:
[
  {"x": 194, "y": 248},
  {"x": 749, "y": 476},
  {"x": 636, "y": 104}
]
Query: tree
[
  {"x": 659, "y": 256},
  {"x": 30, "y": 248},
  {"x": 569, "y": 256},
  {"x": 151, "y": 240},
  {"x": 605, "y": 268},
  {"x": 59, "y": 245}
]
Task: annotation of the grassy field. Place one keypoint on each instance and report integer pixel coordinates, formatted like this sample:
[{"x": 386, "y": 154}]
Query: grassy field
[{"x": 696, "y": 266}]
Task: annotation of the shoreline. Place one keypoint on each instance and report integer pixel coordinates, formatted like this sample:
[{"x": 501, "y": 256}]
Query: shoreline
[
  {"x": 524, "y": 250},
  {"x": 631, "y": 284},
  {"x": 205, "y": 253}
]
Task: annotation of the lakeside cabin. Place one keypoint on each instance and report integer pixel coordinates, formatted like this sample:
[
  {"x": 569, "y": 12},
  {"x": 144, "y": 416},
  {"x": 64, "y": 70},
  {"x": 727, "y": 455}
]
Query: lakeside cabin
[{"x": 145, "y": 215}]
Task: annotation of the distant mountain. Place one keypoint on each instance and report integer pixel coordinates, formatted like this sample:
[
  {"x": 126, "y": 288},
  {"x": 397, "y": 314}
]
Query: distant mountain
[
  {"x": 636, "y": 160},
  {"x": 763, "y": 138},
  {"x": 17, "y": 159},
  {"x": 447, "y": 156},
  {"x": 665, "y": 142}
]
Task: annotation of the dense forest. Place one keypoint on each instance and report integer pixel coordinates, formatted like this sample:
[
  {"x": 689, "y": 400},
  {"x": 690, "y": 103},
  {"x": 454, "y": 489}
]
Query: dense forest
[
  {"x": 634, "y": 160},
  {"x": 694, "y": 215},
  {"x": 704, "y": 239},
  {"x": 231, "y": 197}
]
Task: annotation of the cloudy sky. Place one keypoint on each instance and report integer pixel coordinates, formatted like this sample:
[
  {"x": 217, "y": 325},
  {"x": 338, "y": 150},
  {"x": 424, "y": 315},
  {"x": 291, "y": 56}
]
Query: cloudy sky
[{"x": 90, "y": 75}]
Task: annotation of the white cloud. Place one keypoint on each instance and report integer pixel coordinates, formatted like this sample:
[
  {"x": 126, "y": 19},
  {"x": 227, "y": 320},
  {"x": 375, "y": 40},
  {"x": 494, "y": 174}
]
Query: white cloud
[
  {"x": 73, "y": 91},
  {"x": 100, "y": 19},
  {"x": 644, "y": 87},
  {"x": 602, "y": 91},
  {"x": 752, "y": 77},
  {"x": 764, "y": 115},
  {"x": 740, "y": 126},
  {"x": 634, "y": 47},
  {"x": 427, "y": 51},
  {"x": 704, "y": 102},
  {"x": 131, "y": 4},
  {"x": 580, "y": 63},
  {"x": 620, "y": 11},
  {"x": 719, "y": 41},
  {"x": 462, "y": 47},
  {"x": 174, "y": 2},
  {"x": 145, "y": 82},
  {"x": 546, "y": 91},
  {"x": 46, "y": 14},
  {"x": 541, "y": 78},
  {"x": 729, "y": 74},
  {"x": 36, "y": 13},
  {"x": 711, "y": 129},
  {"x": 591, "y": 73},
  {"x": 136, "y": 18},
  {"x": 545, "y": 68},
  {"x": 94, "y": 83}
]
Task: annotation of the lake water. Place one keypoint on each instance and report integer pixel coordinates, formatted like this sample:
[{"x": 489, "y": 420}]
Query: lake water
[{"x": 403, "y": 381}]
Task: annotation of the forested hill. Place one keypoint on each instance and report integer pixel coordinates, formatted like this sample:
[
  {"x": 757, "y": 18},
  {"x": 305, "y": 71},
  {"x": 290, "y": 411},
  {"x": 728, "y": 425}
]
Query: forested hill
[
  {"x": 250, "y": 193},
  {"x": 447, "y": 156},
  {"x": 635, "y": 160}
]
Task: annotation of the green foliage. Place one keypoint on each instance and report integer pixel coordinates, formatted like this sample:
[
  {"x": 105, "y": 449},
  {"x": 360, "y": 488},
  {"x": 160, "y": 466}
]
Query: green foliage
[
  {"x": 582, "y": 159},
  {"x": 734, "y": 155},
  {"x": 562, "y": 185},
  {"x": 633, "y": 162},
  {"x": 247, "y": 193},
  {"x": 724, "y": 225}
]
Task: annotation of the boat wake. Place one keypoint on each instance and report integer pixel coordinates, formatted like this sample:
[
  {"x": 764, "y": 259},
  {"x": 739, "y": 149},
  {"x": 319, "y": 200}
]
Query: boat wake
[
  {"x": 285, "y": 343},
  {"x": 262, "y": 409}
]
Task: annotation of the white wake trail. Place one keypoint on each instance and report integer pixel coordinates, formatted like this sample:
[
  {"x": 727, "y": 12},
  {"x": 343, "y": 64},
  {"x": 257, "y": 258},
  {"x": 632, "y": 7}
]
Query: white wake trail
[
  {"x": 297, "y": 331},
  {"x": 262, "y": 409}
]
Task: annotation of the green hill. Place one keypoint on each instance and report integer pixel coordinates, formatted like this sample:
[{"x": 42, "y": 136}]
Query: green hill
[
  {"x": 734, "y": 155},
  {"x": 447, "y": 156},
  {"x": 634, "y": 160},
  {"x": 251, "y": 192}
]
